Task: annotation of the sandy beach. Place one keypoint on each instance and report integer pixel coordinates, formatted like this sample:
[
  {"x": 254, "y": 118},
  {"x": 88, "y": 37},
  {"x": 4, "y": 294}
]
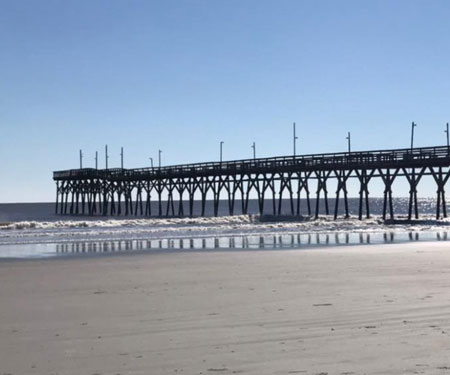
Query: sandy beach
[{"x": 381, "y": 309}]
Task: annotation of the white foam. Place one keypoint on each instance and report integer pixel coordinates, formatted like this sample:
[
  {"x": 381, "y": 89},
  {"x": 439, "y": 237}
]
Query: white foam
[{"x": 128, "y": 222}]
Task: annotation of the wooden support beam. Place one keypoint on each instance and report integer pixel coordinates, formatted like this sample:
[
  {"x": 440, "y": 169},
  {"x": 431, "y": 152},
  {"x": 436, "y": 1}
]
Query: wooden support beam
[
  {"x": 440, "y": 180},
  {"x": 364, "y": 178},
  {"x": 302, "y": 184},
  {"x": 322, "y": 177},
  {"x": 57, "y": 197},
  {"x": 342, "y": 177},
  {"x": 388, "y": 179}
]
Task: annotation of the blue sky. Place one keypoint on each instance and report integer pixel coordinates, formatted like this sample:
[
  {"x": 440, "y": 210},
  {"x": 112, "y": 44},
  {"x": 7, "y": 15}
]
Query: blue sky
[{"x": 183, "y": 75}]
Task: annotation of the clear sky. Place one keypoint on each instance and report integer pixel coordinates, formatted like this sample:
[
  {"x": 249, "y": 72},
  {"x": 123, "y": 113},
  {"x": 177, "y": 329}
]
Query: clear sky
[{"x": 181, "y": 76}]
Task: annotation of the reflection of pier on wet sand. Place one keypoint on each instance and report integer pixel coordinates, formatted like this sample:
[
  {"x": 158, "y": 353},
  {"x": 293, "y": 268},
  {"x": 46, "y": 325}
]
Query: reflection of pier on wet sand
[
  {"x": 261, "y": 242},
  {"x": 363, "y": 309}
]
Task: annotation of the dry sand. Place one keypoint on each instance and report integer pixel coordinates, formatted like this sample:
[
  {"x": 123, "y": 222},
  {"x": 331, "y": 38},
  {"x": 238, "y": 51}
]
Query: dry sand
[{"x": 350, "y": 310}]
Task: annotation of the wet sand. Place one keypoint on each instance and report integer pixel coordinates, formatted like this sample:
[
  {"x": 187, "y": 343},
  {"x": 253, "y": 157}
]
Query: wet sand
[{"x": 381, "y": 309}]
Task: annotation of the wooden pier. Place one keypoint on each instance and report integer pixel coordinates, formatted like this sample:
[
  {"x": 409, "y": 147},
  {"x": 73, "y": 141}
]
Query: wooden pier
[{"x": 120, "y": 191}]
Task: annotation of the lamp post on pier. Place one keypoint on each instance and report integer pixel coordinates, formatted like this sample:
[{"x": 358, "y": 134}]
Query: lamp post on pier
[
  {"x": 294, "y": 139},
  {"x": 446, "y": 131},
  {"x": 349, "y": 142},
  {"x": 106, "y": 156},
  {"x": 121, "y": 157},
  {"x": 96, "y": 159},
  {"x": 254, "y": 150},
  {"x": 151, "y": 162},
  {"x": 413, "y": 125},
  {"x": 159, "y": 157},
  {"x": 81, "y": 159}
]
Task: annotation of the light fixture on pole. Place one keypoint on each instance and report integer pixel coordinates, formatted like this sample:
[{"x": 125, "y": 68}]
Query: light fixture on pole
[
  {"x": 159, "y": 157},
  {"x": 96, "y": 159},
  {"x": 151, "y": 162},
  {"x": 254, "y": 150},
  {"x": 81, "y": 159},
  {"x": 121, "y": 157}
]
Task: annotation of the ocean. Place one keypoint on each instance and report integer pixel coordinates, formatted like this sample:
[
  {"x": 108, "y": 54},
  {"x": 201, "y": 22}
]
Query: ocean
[{"x": 13, "y": 212}]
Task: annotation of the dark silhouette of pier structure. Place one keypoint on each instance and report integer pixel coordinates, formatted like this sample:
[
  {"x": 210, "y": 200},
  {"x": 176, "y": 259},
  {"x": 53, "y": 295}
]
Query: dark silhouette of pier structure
[{"x": 120, "y": 191}]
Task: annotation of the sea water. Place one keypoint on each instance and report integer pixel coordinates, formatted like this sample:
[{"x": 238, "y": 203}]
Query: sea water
[
  {"x": 10, "y": 212},
  {"x": 34, "y": 230}
]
